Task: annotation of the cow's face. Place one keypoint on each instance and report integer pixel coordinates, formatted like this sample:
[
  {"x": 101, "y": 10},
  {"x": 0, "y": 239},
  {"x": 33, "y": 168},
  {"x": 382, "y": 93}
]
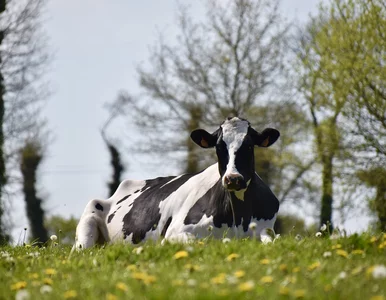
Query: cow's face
[{"x": 234, "y": 142}]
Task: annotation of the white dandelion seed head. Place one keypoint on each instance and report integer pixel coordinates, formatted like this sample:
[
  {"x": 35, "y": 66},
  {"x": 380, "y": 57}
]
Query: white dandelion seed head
[
  {"x": 379, "y": 272},
  {"x": 318, "y": 234},
  {"x": 45, "y": 289},
  {"x": 298, "y": 237},
  {"x": 226, "y": 240},
  {"x": 138, "y": 250},
  {"x": 327, "y": 254},
  {"x": 22, "y": 295},
  {"x": 191, "y": 282},
  {"x": 210, "y": 228},
  {"x": 53, "y": 237},
  {"x": 252, "y": 226},
  {"x": 323, "y": 227}
]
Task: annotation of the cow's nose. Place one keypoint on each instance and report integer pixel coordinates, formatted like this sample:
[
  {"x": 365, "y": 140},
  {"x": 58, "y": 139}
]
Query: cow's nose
[{"x": 234, "y": 182}]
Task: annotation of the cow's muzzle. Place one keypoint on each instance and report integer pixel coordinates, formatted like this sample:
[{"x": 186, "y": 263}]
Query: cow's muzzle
[{"x": 234, "y": 182}]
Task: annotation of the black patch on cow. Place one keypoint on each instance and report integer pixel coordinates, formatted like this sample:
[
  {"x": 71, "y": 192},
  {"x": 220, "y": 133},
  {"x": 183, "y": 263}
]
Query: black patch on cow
[
  {"x": 123, "y": 199},
  {"x": 145, "y": 211},
  {"x": 166, "y": 226},
  {"x": 99, "y": 207},
  {"x": 259, "y": 202},
  {"x": 137, "y": 191},
  {"x": 110, "y": 217}
]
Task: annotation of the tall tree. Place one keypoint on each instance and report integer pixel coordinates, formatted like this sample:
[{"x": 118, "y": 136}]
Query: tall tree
[
  {"x": 3, "y": 236},
  {"x": 232, "y": 63},
  {"x": 31, "y": 158},
  {"x": 342, "y": 80},
  {"x": 24, "y": 59}
]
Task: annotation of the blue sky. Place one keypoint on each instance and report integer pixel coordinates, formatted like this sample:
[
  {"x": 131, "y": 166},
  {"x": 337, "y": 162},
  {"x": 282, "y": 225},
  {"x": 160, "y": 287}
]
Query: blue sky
[{"x": 97, "y": 46}]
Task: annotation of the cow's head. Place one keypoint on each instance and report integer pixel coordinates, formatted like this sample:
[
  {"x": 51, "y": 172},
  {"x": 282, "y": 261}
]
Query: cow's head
[{"x": 234, "y": 142}]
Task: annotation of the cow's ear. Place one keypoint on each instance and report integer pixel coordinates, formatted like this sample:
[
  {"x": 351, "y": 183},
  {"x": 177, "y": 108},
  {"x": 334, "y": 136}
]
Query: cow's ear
[
  {"x": 203, "y": 138},
  {"x": 266, "y": 138}
]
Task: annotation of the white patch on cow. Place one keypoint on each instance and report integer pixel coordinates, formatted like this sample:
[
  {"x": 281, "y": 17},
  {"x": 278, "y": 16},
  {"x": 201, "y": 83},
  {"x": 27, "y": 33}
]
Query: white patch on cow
[
  {"x": 261, "y": 229},
  {"x": 179, "y": 203},
  {"x": 234, "y": 132}
]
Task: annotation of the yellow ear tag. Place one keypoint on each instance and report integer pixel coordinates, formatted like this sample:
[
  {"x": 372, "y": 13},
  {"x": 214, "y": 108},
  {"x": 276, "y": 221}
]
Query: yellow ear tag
[
  {"x": 265, "y": 142},
  {"x": 204, "y": 143}
]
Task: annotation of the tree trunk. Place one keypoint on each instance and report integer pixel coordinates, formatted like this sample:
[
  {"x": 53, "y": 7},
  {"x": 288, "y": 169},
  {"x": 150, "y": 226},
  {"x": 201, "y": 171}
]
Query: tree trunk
[
  {"x": 327, "y": 193},
  {"x": 118, "y": 168},
  {"x": 192, "y": 161},
  {"x": 4, "y": 238},
  {"x": 29, "y": 163}
]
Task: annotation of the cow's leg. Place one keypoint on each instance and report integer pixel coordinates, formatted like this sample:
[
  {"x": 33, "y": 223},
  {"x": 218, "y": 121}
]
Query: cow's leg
[
  {"x": 92, "y": 228},
  {"x": 264, "y": 230},
  {"x": 183, "y": 237}
]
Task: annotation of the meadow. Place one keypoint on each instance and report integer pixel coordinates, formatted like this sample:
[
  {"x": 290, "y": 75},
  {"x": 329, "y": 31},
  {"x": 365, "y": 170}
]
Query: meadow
[{"x": 351, "y": 267}]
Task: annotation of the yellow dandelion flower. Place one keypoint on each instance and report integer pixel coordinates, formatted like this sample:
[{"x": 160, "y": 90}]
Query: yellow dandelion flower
[
  {"x": 181, "y": 254},
  {"x": 64, "y": 262},
  {"x": 382, "y": 245},
  {"x": 48, "y": 281},
  {"x": 219, "y": 279},
  {"x": 295, "y": 270},
  {"x": 192, "y": 268},
  {"x": 341, "y": 252},
  {"x": 356, "y": 271},
  {"x": 50, "y": 271},
  {"x": 246, "y": 286},
  {"x": 131, "y": 268},
  {"x": 70, "y": 294},
  {"x": 111, "y": 297},
  {"x": 337, "y": 246},
  {"x": 19, "y": 285},
  {"x": 373, "y": 239},
  {"x": 377, "y": 297},
  {"x": 239, "y": 274},
  {"x": 145, "y": 278},
  {"x": 358, "y": 251},
  {"x": 122, "y": 286},
  {"x": 314, "y": 266},
  {"x": 33, "y": 276},
  {"x": 284, "y": 291},
  {"x": 266, "y": 279},
  {"x": 264, "y": 261},
  {"x": 283, "y": 267},
  {"x": 232, "y": 256},
  {"x": 177, "y": 282},
  {"x": 291, "y": 279},
  {"x": 299, "y": 293},
  {"x": 200, "y": 243}
]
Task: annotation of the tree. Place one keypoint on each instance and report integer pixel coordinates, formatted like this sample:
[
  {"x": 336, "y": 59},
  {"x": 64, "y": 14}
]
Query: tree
[
  {"x": 3, "y": 236},
  {"x": 342, "y": 80},
  {"x": 31, "y": 158},
  {"x": 23, "y": 63},
  {"x": 233, "y": 63},
  {"x": 117, "y": 165},
  {"x": 222, "y": 66}
]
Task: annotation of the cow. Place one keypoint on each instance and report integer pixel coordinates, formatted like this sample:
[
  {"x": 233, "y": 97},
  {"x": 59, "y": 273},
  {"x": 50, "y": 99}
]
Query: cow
[{"x": 221, "y": 200}]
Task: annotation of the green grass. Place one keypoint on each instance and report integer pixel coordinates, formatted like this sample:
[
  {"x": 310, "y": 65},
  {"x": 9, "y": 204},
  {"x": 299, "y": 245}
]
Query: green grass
[{"x": 313, "y": 268}]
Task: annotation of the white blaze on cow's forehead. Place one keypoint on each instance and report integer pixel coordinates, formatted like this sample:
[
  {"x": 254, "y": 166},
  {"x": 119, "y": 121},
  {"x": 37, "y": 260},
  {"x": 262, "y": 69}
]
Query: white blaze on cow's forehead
[{"x": 234, "y": 132}]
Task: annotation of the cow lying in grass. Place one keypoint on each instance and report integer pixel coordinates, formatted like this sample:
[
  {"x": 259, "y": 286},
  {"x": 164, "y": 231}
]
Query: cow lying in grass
[{"x": 225, "y": 197}]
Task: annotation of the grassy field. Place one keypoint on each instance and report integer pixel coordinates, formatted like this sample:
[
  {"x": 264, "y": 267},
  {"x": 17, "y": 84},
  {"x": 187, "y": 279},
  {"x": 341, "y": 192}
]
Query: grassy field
[{"x": 310, "y": 268}]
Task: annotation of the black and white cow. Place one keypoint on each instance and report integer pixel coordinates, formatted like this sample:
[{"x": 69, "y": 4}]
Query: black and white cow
[{"x": 221, "y": 200}]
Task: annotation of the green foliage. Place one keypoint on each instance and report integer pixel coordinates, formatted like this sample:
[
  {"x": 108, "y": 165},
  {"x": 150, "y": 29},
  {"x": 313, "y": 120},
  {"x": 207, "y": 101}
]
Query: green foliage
[
  {"x": 312, "y": 268},
  {"x": 63, "y": 228}
]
